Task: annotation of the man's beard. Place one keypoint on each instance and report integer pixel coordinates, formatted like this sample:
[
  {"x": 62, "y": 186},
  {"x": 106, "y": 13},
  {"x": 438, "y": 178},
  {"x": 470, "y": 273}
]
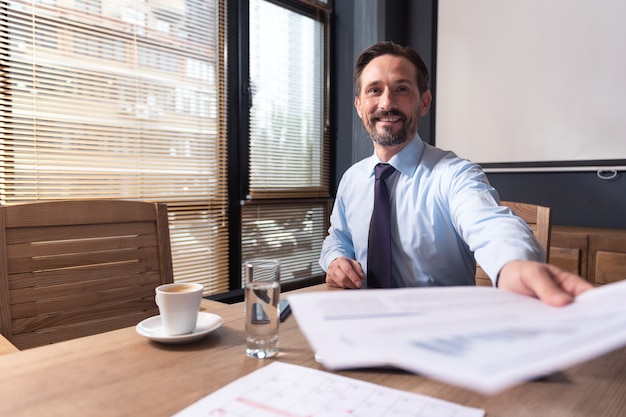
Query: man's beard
[{"x": 388, "y": 137}]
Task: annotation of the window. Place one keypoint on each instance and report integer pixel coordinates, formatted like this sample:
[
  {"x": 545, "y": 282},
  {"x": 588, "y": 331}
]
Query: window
[
  {"x": 128, "y": 99},
  {"x": 285, "y": 212},
  {"x": 121, "y": 99}
]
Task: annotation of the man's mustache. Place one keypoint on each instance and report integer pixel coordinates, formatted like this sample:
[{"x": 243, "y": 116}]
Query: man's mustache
[{"x": 381, "y": 113}]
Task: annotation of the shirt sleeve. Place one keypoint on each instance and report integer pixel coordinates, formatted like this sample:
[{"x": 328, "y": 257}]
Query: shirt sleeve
[
  {"x": 492, "y": 232},
  {"x": 339, "y": 240}
]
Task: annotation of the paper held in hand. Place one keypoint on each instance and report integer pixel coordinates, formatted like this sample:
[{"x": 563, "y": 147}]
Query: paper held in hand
[{"x": 480, "y": 338}]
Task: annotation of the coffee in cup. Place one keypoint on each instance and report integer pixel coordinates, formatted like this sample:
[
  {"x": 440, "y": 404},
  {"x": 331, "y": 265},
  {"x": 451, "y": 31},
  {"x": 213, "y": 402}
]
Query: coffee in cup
[
  {"x": 179, "y": 288},
  {"x": 179, "y": 304}
]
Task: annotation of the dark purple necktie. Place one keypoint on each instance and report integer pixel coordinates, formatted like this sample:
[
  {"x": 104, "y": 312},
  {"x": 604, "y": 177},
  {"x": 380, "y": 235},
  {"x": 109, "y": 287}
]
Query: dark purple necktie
[{"x": 379, "y": 241}]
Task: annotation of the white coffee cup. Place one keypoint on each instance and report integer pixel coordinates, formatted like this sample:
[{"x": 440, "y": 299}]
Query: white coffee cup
[{"x": 179, "y": 304}]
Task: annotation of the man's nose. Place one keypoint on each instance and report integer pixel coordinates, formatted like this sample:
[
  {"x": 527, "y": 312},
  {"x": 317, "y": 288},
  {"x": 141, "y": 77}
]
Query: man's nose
[{"x": 387, "y": 101}]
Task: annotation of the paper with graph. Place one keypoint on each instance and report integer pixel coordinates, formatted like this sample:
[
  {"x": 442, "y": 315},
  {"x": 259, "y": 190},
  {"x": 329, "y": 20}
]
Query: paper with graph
[{"x": 480, "y": 338}]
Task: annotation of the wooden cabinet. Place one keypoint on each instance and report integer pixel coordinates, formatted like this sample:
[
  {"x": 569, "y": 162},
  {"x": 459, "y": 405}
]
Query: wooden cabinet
[
  {"x": 609, "y": 261},
  {"x": 599, "y": 255},
  {"x": 569, "y": 250}
]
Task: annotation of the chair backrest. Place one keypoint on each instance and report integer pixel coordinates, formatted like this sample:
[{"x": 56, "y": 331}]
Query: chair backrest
[
  {"x": 539, "y": 218},
  {"x": 74, "y": 268}
]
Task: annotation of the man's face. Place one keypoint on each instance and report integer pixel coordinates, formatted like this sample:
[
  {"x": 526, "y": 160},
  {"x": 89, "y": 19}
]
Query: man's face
[{"x": 390, "y": 103}]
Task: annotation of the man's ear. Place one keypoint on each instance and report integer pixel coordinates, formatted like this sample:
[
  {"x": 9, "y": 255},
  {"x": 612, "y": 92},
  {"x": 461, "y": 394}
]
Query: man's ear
[
  {"x": 357, "y": 106},
  {"x": 426, "y": 98}
]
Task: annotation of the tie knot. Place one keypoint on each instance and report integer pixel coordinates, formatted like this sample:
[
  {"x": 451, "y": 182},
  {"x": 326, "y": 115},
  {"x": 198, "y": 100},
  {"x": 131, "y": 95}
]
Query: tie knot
[{"x": 383, "y": 171}]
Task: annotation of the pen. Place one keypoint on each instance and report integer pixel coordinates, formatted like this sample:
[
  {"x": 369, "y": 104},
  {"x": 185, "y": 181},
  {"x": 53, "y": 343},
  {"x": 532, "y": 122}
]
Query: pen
[{"x": 284, "y": 309}]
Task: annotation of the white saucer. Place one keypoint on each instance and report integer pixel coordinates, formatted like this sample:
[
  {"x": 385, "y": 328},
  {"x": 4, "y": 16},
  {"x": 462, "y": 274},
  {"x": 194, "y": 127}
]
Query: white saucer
[{"x": 152, "y": 328}]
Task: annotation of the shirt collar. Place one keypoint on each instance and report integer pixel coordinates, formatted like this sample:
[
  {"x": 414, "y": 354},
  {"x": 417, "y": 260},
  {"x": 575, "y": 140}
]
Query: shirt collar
[{"x": 405, "y": 161}]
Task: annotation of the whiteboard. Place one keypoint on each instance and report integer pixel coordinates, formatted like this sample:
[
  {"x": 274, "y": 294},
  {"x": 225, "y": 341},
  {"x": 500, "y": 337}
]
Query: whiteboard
[{"x": 531, "y": 82}]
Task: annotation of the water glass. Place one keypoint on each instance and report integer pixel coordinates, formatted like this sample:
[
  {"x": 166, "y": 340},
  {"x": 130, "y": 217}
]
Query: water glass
[{"x": 262, "y": 293}]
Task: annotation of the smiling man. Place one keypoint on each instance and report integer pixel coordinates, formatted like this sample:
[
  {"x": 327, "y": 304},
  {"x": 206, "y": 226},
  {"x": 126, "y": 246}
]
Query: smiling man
[{"x": 443, "y": 215}]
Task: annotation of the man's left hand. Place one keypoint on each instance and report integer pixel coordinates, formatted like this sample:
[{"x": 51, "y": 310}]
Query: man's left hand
[{"x": 549, "y": 283}]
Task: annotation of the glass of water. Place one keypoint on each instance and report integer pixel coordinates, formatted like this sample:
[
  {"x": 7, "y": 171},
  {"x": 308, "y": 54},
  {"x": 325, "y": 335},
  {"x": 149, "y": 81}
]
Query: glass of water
[{"x": 262, "y": 293}]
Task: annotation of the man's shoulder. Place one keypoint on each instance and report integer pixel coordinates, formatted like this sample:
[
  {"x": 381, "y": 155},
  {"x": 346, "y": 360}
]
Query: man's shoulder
[
  {"x": 437, "y": 157},
  {"x": 359, "y": 168},
  {"x": 447, "y": 167}
]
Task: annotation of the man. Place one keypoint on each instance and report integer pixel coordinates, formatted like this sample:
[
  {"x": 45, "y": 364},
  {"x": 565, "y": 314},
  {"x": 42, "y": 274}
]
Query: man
[{"x": 443, "y": 210}]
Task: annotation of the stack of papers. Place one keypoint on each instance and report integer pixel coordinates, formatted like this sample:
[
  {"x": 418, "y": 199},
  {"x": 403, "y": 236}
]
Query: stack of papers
[
  {"x": 479, "y": 338},
  {"x": 287, "y": 390}
]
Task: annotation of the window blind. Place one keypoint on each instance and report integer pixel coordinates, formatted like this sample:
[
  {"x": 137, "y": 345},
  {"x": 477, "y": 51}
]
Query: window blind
[
  {"x": 291, "y": 232},
  {"x": 121, "y": 99},
  {"x": 288, "y": 140}
]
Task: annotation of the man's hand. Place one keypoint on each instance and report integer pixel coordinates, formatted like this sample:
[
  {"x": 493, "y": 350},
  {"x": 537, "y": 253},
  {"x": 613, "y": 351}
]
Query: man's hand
[
  {"x": 549, "y": 283},
  {"x": 345, "y": 273}
]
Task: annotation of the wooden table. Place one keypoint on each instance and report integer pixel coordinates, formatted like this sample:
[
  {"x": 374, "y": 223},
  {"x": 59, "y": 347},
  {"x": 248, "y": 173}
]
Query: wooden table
[
  {"x": 120, "y": 373},
  {"x": 6, "y": 346}
]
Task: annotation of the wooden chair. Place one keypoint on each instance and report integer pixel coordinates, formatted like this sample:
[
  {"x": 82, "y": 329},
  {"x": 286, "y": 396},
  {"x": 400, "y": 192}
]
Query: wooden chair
[
  {"x": 76, "y": 268},
  {"x": 539, "y": 218}
]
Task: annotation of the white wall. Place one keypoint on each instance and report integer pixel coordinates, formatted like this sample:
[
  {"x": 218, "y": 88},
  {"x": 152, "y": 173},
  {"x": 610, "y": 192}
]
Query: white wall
[{"x": 532, "y": 80}]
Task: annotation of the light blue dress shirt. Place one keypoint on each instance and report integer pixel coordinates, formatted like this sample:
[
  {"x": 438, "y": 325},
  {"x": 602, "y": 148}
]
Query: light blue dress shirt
[{"x": 445, "y": 217}]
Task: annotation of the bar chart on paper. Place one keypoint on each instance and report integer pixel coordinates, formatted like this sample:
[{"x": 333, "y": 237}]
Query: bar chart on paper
[{"x": 286, "y": 390}]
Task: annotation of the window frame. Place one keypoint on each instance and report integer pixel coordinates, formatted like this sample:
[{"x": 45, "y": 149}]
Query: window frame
[{"x": 239, "y": 100}]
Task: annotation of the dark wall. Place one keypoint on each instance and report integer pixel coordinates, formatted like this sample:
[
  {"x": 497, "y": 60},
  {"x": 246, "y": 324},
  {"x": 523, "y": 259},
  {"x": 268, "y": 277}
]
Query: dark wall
[{"x": 576, "y": 198}]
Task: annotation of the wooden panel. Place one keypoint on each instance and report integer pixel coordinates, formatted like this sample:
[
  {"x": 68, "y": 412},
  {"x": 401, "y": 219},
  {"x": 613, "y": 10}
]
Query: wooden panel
[
  {"x": 610, "y": 267},
  {"x": 50, "y": 213},
  {"x": 74, "y": 260},
  {"x": 569, "y": 250},
  {"x": 75, "y": 319},
  {"x": 481, "y": 278},
  {"x": 93, "y": 272},
  {"x": 71, "y": 232},
  {"x": 593, "y": 253},
  {"x": 600, "y": 251},
  {"x": 79, "y": 303},
  {"x": 568, "y": 259},
  {"x": 104, "y": 324},
  {"x": 607, "y": 256},
  {"x": 5, "y": 296},
  {"x": 86, "y": 284}
]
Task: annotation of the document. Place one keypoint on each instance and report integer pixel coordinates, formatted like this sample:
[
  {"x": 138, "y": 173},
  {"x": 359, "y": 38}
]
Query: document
[
  {"x": 281, "y": 389},
  {"x": 480, "y": 338}
]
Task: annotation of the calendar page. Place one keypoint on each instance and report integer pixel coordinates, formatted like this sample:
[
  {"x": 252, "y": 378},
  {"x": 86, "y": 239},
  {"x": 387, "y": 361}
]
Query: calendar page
[{"x": 286, "y": 390}]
